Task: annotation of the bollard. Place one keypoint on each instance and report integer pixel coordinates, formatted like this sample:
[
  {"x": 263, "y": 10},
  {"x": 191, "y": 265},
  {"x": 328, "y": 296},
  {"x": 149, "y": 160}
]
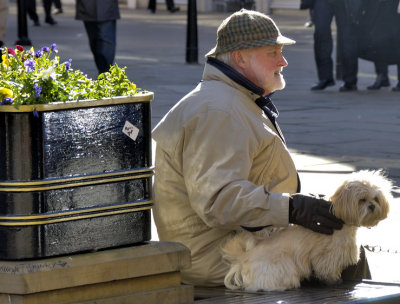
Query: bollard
[
  {"x": 22, "y": 24},
  {"x": 191, "y": 33}
]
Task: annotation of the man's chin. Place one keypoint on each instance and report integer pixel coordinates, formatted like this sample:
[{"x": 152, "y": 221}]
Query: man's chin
[{"x": 278, "y": 86}]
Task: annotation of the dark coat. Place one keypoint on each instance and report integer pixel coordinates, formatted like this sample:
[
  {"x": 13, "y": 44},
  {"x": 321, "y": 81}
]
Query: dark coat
[
  {"x": 306, "y": 4},
  {"x": 378, "y": 31},
  {"x": 97, "y": 10}
]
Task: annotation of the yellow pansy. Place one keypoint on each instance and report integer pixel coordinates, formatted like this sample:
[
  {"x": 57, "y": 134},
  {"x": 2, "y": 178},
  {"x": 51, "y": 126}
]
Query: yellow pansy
[
  {"x": 4, "y": 57},
  {"x": 6, "y": 92}
]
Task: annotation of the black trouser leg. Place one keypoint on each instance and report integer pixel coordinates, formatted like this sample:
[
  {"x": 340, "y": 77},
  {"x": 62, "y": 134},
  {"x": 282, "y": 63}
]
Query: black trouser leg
[
  {"x": 57, "y": 4},
  {"x": 170, "y": 4},
  {"x": 47, "y": 8},
  {"x": 102, "y": 41},
  {"x": 152, "y": 5},
  {"x": 31, "y": 10},
  {"x": 323, "y": 43},
  {"x": 349, "y": 48},
  {"x": 381, "y": 68}
]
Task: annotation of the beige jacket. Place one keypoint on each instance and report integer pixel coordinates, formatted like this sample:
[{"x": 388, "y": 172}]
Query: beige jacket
[{"x": 219, "y": 165}]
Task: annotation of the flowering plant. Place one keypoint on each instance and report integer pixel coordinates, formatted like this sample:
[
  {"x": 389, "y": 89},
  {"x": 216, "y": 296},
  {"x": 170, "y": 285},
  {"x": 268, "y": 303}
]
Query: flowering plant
[{"x": 30, "y": 77}]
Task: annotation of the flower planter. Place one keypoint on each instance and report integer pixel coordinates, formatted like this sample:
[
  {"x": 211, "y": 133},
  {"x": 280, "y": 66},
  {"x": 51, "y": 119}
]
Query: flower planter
[{"x": 74, "y": 176}]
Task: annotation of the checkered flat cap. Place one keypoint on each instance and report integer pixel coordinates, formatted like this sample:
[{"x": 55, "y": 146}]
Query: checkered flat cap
[{"x": 247, "y": 29}]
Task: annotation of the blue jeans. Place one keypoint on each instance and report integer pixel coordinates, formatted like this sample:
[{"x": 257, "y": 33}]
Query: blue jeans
[{"x": 102, "y": 41}]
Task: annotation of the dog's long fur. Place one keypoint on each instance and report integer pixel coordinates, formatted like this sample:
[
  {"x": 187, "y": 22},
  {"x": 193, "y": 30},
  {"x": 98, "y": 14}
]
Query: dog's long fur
[{"x": 282, "y": 260}]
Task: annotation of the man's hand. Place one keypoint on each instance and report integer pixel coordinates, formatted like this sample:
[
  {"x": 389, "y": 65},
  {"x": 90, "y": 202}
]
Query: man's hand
[{"x": 313, "y": 213}]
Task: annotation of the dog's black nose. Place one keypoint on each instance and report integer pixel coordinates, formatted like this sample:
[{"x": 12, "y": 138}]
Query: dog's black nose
[{"x": 371, "y": 207}]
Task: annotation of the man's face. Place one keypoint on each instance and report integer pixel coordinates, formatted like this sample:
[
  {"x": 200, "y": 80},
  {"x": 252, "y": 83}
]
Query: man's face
[{"x": 264, "y": 66}]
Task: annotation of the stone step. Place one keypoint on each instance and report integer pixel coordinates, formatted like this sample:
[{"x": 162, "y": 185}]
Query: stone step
[{"x": 147, "y": 272}]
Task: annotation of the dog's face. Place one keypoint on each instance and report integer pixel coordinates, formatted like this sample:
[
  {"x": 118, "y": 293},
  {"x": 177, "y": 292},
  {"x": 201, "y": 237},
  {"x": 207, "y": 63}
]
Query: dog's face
[{"x": 363, "y": 199}]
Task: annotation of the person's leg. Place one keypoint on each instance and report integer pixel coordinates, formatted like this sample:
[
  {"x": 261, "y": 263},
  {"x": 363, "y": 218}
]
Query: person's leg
[
  {"x": 382, "y": 78},
  {"x": 91, "y": 31},
  {"x": 3, "y": 21},
  {"x": 58, "y": 7},
  {"x": 152, "y": 6},
  {"x": 57, "y": 4},
  {"x": 323, "y": 45},
  {"x": 47, "y": 11},
  {"x": 171, "y": 6},
  {"x": 397, "y": 87},
  {"x": 102, "y": 41},
  {"x": 30, "y": 6},
  {"x": 349, "y": 48}
]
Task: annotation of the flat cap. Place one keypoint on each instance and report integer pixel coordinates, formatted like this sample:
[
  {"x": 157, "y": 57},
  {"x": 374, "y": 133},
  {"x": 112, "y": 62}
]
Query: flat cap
[{"x": 247, "y": 29}]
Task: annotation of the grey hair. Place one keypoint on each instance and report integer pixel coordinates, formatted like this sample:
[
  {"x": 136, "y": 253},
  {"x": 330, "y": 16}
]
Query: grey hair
[{"x": 225, "y": 57}]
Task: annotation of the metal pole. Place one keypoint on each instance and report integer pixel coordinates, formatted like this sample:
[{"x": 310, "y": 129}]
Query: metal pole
[
  {"x": 192, "y": 51},
  {"x": 22, "y": 24}
]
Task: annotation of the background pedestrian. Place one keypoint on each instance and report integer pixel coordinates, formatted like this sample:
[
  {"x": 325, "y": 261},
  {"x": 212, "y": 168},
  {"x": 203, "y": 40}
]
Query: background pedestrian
[{"x": 100, "y": 20}]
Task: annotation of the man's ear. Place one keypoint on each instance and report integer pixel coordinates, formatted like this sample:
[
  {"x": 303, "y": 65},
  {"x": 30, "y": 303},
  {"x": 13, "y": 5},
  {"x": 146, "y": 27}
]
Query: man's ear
[{"x": 240, "y": 58}]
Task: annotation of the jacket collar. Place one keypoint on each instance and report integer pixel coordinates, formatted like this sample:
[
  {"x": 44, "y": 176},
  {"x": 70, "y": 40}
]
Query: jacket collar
[
  {"x": 264, "y": 102},
  {"x": 235, "y": 76}
]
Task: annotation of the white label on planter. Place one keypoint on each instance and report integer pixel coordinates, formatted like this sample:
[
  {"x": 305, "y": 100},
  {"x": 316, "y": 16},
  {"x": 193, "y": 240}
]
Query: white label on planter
[{"x": 130, "y": 130}]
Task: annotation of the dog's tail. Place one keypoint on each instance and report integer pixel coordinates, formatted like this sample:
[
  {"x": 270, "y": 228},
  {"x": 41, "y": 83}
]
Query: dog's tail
[{"x": 233, "y": 252}]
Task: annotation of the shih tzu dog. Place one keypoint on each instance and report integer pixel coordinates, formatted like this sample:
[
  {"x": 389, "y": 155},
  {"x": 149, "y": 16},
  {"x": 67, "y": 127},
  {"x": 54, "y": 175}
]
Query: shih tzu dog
[{"x": 284, "y": 258}]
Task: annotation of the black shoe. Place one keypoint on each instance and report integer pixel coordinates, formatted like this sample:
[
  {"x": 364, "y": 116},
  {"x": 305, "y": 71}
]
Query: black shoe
[
  {"x": 396, "y": 88},
  {"x": 381, "y": 81},
  {"x": 174, "y": 9},
  {"x": 36, "y": 23},
  {"x": 50, "y": 21},
  {"x": 322, "y": 84},
  {"x": 346, "y": 87}
]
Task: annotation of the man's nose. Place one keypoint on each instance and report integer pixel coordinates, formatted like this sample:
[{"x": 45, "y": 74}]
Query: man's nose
[{"x": 283, "y": 62}]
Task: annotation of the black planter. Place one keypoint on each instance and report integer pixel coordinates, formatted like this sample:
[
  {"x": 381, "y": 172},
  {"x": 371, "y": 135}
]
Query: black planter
[{"x": 75, "y": 176}]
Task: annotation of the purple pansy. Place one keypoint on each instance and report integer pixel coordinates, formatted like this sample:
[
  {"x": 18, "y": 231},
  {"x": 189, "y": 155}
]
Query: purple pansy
[
  {"x": 30, "y": 64},
  {"x": 68, "y": 64},
  {"x": 7, "y": 101},
  {"x": 38, "y": 90},
  {"x": 38, "y": 54},
  {"x": 54, "y": 48}
]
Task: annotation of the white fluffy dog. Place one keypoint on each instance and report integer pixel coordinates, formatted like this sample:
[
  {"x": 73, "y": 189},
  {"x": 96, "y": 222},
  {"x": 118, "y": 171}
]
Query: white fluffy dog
[{"x": 284, "y": 258}]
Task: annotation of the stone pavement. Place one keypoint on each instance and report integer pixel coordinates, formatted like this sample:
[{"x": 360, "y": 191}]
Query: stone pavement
[{"x": 329, "y": 133}]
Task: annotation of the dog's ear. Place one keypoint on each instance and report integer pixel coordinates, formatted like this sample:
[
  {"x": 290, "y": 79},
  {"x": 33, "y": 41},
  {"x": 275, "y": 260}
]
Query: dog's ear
[{"x": 345, "y": 202}]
